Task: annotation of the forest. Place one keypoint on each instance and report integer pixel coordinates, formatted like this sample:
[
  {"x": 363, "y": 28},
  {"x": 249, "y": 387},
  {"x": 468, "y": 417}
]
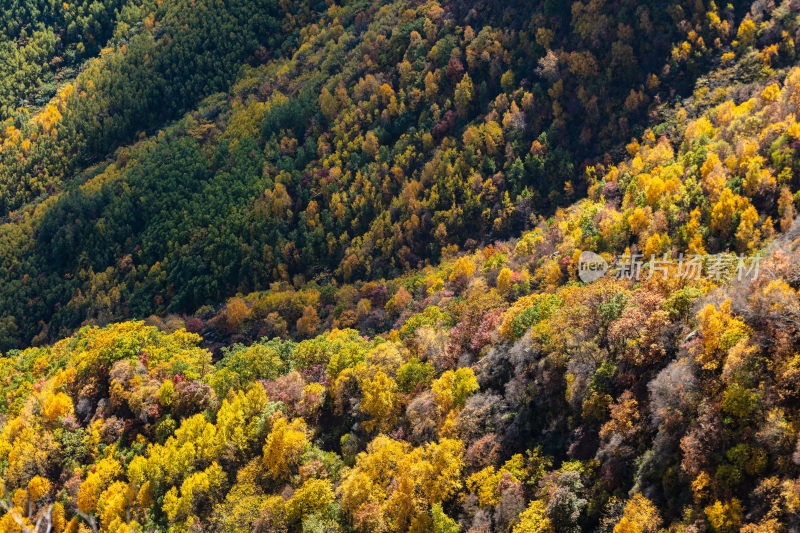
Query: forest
[
  {"x": 316, "y": 267},
  {"x": 451, "y": 135}
]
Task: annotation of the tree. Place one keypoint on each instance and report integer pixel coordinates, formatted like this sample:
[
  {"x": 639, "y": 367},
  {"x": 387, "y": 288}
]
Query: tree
[
  {"x": 235, "y": 312},
  {"x": 720, "y": 332},
  {"x": 431, "y": 86},
  {"x": 399, "y": 301},
  {"x": 641, "y": 516},
  {"x": 533, "y": 519},
  {"x": 507, "y": 81},
  {"x": 308, "y": 324},
  {"x": 198, "y": 490},
  {"x": 453, "y": 388},
  {"x": 57, "y": 406},
  {"x": 414, "y": 373},
  {"x": 9, "y": 332},
  {"x": 565, "y": 503},
  {"x": 624, "y": 419},
  {"x": 548, "y": 67},
  {"x": 114, "y": 505},
  {"x": 439, "y": 522},
  {"x": 724, "y": 517},
  {"x": 371, "y": 145},
  {"x": 96, "y": 483},
  {"x": 463, "y": 95},
  {"x": 284, "y": 447},
  {"x": 367, "y": 482},
  {"x": 746, "y": 34},
  {"x": 312, "y": 498},
  {"x": 380, "y": 402},
  {"x": 786, "y": 208},
  {"x": 746, "y": 234},
  {"x": 328, "y": 104},
  {"x": 463, "y": 270}
]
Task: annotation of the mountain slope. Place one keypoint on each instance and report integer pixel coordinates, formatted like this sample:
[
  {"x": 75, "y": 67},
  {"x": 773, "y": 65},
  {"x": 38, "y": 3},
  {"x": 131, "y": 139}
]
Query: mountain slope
[
  {"x": 494, "y": 391},
  {"x": 373, "y": 139}
]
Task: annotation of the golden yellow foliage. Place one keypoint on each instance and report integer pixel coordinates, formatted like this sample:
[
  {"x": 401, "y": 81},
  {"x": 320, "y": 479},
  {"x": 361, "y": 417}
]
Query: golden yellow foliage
[
  {"x": 724, "y": 517},
  {"x": 56, "y": 406},
  {"x": 95, "y": 484},
  {"x": 533, "y": 519},
  {"x": 640, "y": 516},
  {"x": 284, "y": 447},
  {"x": 380, "y": 402}
]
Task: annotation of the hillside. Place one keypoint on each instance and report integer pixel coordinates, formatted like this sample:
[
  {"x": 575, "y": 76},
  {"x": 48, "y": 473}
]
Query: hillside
[
  {"x": 361, "y": 146},
  {"x": 318, "y": 268}
]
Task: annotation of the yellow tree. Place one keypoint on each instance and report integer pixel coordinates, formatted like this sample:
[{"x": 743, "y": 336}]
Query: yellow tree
[
  {"x": 199, "y": 489},
  {"x": 328, "y": 104},
  {"x": 747, "y": 235},
  {"x": 431, "y": 86},
  {"x": 113, "y": 507},
  {"x": 56, "y": 406},
  {"x": 786, "y": 208},
  {"x": 235, "y": 313},
  {"x": 380, "y": 402},
  {"x": 533, "y": 519},
  {"x": 371, "y": 145},
  {"x": 463, "y": 270},
  {"x": 284, "y": 447},
  {"x": 453, "y": 388},
  {"x": 720, "y": 332},
  {"x": 365, "y": 487},
  {"x": 312, "y": 498},
  {"x": 308, "y": 324},
  {"x": 724, "y": 517},
  {"x": 640, "y": 516},
  {"x": 463, "y": 95},
  {"x": 103, "y": 475},
  {"x": 428, "y": 475}
]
